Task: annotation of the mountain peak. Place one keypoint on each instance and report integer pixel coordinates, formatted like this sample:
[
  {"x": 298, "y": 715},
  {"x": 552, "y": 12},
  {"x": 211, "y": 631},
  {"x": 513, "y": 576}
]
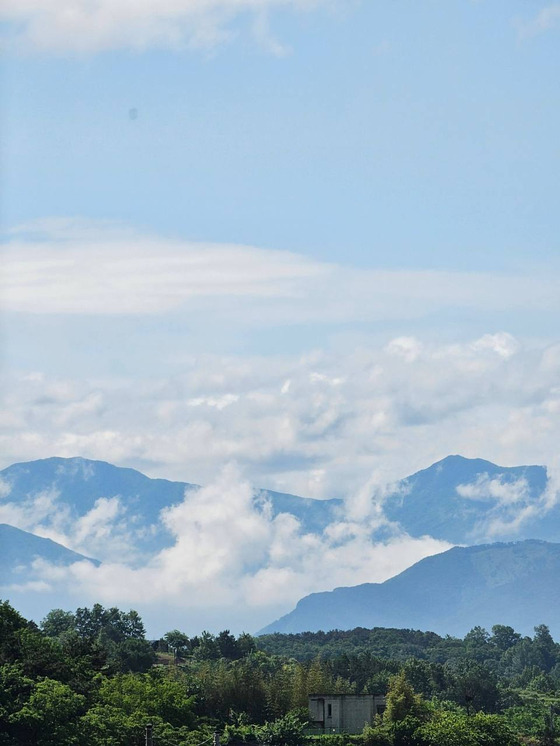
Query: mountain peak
[{"x": 513, "y": 583}]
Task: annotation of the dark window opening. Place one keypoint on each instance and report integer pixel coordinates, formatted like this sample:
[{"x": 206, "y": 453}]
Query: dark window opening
[{"x": 329, "y": 711}]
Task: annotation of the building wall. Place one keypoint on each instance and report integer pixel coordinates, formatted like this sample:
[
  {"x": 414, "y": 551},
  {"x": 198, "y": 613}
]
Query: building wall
[{"x": 346, "y": 713}]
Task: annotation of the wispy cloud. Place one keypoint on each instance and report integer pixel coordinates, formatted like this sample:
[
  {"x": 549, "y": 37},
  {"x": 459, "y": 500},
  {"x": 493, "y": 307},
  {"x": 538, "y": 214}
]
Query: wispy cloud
[
  {"x": 99, "y": 25},
  {"x": 546, "y": 19},
  {"x": 511, "y": 504},
  {"x": 62, "y": 267}
]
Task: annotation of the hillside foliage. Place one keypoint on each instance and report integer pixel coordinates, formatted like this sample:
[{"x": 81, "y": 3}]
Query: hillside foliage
[{"x": 90, "y": 678}]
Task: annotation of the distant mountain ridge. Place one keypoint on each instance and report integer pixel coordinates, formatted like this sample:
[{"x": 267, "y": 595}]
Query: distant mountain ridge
[
  {"x": 514, "y": 583},
  {"x": 18, "y": 549},
  {"x": 459, "y": 500},
  {"x": 79, "y": 483}
]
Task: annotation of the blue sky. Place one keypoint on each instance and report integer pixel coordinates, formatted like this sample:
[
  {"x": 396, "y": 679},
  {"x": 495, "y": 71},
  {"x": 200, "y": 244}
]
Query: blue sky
[
  {"x": 308, "y": 245},
  {"x": 219, "y": 183},
  {"x": 385, "y": 134}
]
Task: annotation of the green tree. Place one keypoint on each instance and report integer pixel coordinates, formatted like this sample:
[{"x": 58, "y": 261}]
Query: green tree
[
  {"x": 58, "y": 622},
  {"x": 227, "y": 645},
  {"x": 474, "y": 686},
  {"x": 127, "y": 702},
  {"x": 178, "y": 642},
  {"x": 285, "y": 731},
  {"x": 49, "y": 717},
  {"x": 403, "y": 702},
  {"x": 545, "y": 648},
  {"x": 504, "y": 637}
]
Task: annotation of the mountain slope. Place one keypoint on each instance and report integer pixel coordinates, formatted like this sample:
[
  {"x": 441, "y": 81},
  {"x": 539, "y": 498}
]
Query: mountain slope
[
  {"x": 459, "y": 500},
  {"x": 516, "y": 584},
  {"x": 465, "y": 500},
  {"x": 18, "y": 550},
  {"x": 76, "y": 484}
]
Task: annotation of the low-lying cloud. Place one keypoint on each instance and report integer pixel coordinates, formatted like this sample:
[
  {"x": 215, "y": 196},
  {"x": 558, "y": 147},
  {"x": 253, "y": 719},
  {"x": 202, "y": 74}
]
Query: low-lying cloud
[
  {"x": 322, "y": 425},
  {"x": 230, "y": 552}
]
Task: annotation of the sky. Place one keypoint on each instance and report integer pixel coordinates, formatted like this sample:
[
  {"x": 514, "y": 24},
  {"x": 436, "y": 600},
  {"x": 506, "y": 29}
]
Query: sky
[{"x": 309, "y": 241}]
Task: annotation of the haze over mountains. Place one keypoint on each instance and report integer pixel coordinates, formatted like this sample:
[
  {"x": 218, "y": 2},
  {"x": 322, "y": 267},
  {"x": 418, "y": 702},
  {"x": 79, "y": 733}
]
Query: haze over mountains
[
  {"x": 18, "y": 548},
  {"x": 456, "y": 499},
  {"x": 450, "y": 593},
  {"x": 118, "y": 515}
]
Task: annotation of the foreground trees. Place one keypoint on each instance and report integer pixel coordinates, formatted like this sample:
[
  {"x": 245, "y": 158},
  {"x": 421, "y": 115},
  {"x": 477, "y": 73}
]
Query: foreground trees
[{"x": 88, "y": 678}]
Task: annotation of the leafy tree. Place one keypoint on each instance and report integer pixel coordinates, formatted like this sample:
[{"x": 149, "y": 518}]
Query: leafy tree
[
  {"x": 178, "y": 642},
  {"x": 545, "y": 648},
  {"x": 246, "y": 644},
  {"x": 11, "y": 622},
  {"x": 477, "y": 644},
  {"x": 205, "y": 647},
  {"x": 285, "y": 731},
  {"x": 127, "y": 702},
  {"x": 49, "y": 716},
  {"x": 504, "y": 637},
  {"x": 132, "y": 655},
  {"x": 403, "y": 702},
  {"x": 58, "y": 622},
  {"x": 473, "y": 686}
]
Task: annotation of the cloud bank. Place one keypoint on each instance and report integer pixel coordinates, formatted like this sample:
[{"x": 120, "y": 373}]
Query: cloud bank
[
  {"x": 70, "y": 267},
  {"x": 315, "y": 424},
  {"x": 319, "y": 423},
  {"x": 228, "y": 552},
  {"x": 86, "y": 26}
]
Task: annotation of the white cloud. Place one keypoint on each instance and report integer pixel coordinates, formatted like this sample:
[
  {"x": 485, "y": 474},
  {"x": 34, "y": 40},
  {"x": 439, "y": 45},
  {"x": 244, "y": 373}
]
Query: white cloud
[
  {"x": 512, "y": 505},
  {"x": 342, "y": 416},
  {"x": 504, "y": 344},
  {"x": 230, "y": 552},
  {"x": 66, "y": 267},
  {"x": 347, "y": 425},
  {"x": 115, "y": 273},
  {"x": 545, "y": 20},
  {"x": 85, "y": 26},
  {"x": 5, "y": 489},
  {"x": 104, "y": 532},
  {"x": 495, "y": 489}
]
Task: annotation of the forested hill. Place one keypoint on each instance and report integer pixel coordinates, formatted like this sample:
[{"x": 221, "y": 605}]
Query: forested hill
[
  {"x": 380, "y": 642},
  {"x": 514, "y": 583},
  {"x": 91, "y": 678}
]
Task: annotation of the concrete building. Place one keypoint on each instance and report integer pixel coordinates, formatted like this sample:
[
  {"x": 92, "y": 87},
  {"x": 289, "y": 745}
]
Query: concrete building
[{"x": 344, "y": 713}]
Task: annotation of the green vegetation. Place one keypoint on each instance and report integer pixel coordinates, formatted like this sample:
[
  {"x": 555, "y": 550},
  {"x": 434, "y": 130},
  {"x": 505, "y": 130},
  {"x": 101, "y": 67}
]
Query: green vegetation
[{"x": 90, "y": 678}]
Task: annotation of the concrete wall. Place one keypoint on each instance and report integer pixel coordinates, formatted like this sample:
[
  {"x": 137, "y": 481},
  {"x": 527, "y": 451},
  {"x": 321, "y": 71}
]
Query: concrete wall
[{"x": 346, "y": 713}]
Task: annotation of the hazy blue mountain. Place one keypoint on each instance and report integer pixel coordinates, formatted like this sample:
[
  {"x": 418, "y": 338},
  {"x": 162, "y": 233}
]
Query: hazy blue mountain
[
  {"x": 516, "y": 583},
  {"x": 463, "y": 500},
  {"x": 18, "y": 549},
  {"x": 77, "y": 483},
  {"x": 22, "y": 585},
  {"x": 457, "y": 499}
]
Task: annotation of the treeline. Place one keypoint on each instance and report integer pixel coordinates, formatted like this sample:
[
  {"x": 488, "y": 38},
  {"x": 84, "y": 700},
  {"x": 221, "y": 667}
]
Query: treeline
[
  {"x": 400, "y": 644},
  {"x": 90, "y": 678}
]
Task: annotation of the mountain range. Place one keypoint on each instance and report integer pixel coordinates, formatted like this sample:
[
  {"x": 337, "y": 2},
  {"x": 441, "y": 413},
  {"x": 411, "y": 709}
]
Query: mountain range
[
  {"x": 113, "y": 514},
  {"x": 458, "y": 500},
  {"x": 516, "y": 583}
]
